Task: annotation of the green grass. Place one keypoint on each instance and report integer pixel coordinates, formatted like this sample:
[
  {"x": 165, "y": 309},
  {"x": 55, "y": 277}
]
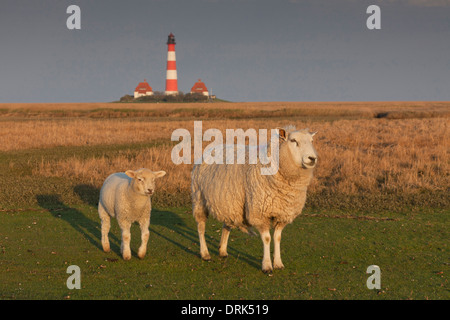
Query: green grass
[{"x": 324, "y": 258}]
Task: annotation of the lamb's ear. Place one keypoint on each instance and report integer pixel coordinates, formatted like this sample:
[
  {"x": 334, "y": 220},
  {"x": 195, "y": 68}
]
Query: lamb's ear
[
  {"x": 282, "y": 133},
  {"x": 159, "y": 174},
  {"x": 130, "y": 173}
]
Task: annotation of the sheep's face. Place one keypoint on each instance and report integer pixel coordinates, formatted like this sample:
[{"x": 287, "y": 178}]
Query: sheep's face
[
  {"x": 300, "y": 145},
  {"x": 144, "y": 180}
]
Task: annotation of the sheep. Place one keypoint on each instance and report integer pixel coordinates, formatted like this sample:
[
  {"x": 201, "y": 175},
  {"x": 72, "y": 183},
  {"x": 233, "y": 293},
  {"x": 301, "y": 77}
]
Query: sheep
[
  {"x": 240, "y": 197},
  {"x": 126, "y": 196}
]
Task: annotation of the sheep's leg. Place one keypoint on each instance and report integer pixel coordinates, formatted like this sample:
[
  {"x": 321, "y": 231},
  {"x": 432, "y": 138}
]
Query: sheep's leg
[
  {"x": 145, "y": 233},
  {"x": 277, "y": 263},
  {"x": 200, "y": 215},
  {"x": 126, "y": 237},
  {"x": 224, "y": 241},
  {"x": 266, "y": 263},
  {"x": 106, "y": 225},
  {"x": 203, "y": 247}
]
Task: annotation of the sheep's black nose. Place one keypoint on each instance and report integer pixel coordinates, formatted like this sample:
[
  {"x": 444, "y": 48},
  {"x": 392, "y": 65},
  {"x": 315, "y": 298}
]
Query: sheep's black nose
[{"x": 313, "y": 159}]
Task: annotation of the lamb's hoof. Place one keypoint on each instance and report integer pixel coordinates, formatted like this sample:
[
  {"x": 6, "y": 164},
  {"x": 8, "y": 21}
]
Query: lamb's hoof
[
  {"x": 223, "y": 255},
  {"x": 278, "y": 266}
]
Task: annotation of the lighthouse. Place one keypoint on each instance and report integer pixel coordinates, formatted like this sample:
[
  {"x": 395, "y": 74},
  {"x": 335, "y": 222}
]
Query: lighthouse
[{"x": 171, "y": 74}]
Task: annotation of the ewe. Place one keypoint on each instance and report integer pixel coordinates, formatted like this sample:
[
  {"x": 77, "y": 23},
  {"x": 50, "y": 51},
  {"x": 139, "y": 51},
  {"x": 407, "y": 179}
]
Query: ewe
[
  {"x": 239, "y": 196},
  {"x": 126, "y": 196}
]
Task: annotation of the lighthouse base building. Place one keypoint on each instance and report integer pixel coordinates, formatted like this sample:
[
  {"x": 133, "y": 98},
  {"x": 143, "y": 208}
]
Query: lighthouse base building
[
  {"x": 200, "y": 88},
  {"x": 143, "y": 89}
]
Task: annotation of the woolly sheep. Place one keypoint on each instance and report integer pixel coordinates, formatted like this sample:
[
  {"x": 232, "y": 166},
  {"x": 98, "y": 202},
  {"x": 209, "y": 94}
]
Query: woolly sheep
[
  {"x": 126, "y": 196},
  {"x": 239, "y": 196}
]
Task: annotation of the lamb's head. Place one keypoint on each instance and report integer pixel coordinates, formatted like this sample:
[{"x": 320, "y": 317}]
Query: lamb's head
[
  {"x": 143, "y": 180},
  {"x": 300, "y": 145}
]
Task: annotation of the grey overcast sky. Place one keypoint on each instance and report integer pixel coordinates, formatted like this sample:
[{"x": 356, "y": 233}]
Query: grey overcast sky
[{"x": 244, "y": 50}]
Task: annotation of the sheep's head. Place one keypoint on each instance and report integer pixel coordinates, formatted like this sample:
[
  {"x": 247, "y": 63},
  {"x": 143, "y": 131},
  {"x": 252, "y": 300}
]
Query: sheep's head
[
  {"x": 144, "y": 180},
  {"x": 300, "y": 145}
]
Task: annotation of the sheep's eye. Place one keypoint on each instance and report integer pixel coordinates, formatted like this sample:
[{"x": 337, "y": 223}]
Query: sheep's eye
[
  {"x": 293, "y": 140},
  {"x": 140, "y": 179}
]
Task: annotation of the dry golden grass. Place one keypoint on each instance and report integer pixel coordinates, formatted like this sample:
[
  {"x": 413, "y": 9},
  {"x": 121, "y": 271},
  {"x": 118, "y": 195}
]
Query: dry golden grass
[
  {"x": 332, "y": 107},
  {"x": 27, "y": 134},
  {"x": 25, "y": 126},
  {"x": 221, "y": 110},
  {"x": 364, "y": 148},
  {"x": 95, "y": 170},
  {"x": 354, "y": 156},
  {"x": 20, "y": 135}
]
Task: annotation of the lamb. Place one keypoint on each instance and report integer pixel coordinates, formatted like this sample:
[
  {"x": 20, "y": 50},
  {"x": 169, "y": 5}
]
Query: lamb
[
  {"x": 240, "y": 197},
  {"x": 126, "y": 196}
]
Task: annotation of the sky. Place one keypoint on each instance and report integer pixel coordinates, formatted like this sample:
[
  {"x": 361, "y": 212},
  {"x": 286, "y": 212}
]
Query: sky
[{"x": 244, "y": 50}]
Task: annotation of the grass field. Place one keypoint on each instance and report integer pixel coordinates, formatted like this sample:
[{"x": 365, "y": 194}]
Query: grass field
[{"x": 379, "y": 197}]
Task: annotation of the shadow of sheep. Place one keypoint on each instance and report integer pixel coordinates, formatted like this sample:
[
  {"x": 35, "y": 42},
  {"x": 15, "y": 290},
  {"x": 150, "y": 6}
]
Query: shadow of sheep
[{"x": 78, "y": 220}]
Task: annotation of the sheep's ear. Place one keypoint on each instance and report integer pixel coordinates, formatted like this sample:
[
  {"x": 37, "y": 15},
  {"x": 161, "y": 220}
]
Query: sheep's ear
[
  {"x": 313, "y": 134},
  {"x": 159, "y": 174},
  {"x": 282, "y": 133},
  {"x": 130, "y": 173}
]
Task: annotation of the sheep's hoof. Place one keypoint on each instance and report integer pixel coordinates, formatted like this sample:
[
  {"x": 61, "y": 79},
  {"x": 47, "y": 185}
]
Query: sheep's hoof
[
  {"x": 126, "y": 257},
  {"x": 206, "y": 257},
  {"x": 267, "y": 270},
  {"x": 223, "y": 255},
  {"x": 106, "y": 247},
  {"x": 141, "y": 254},
  {"x": 278, "y": 266},
  {"x": 267, "y": 266}
]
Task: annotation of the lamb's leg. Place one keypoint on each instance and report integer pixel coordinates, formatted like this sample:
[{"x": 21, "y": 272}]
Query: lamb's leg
[
  {"x": 277, "y": 263},
  {"x": 145, "y": 233},
  {"x": 126, "y": 237},
  {"x": 224, "y": 241},
  {"x": 266, "y": 262},
  {"x": 106, "y": 225}
]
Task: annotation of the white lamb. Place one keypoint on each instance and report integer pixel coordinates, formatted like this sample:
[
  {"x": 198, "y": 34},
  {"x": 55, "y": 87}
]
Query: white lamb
[
  {"x": 126, "y": 196},
  {"x": 239, "y": 196}
]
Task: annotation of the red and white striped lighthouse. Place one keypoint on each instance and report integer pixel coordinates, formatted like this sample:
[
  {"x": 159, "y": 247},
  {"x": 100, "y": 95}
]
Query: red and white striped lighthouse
[{"x": 171, "y": 75}]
